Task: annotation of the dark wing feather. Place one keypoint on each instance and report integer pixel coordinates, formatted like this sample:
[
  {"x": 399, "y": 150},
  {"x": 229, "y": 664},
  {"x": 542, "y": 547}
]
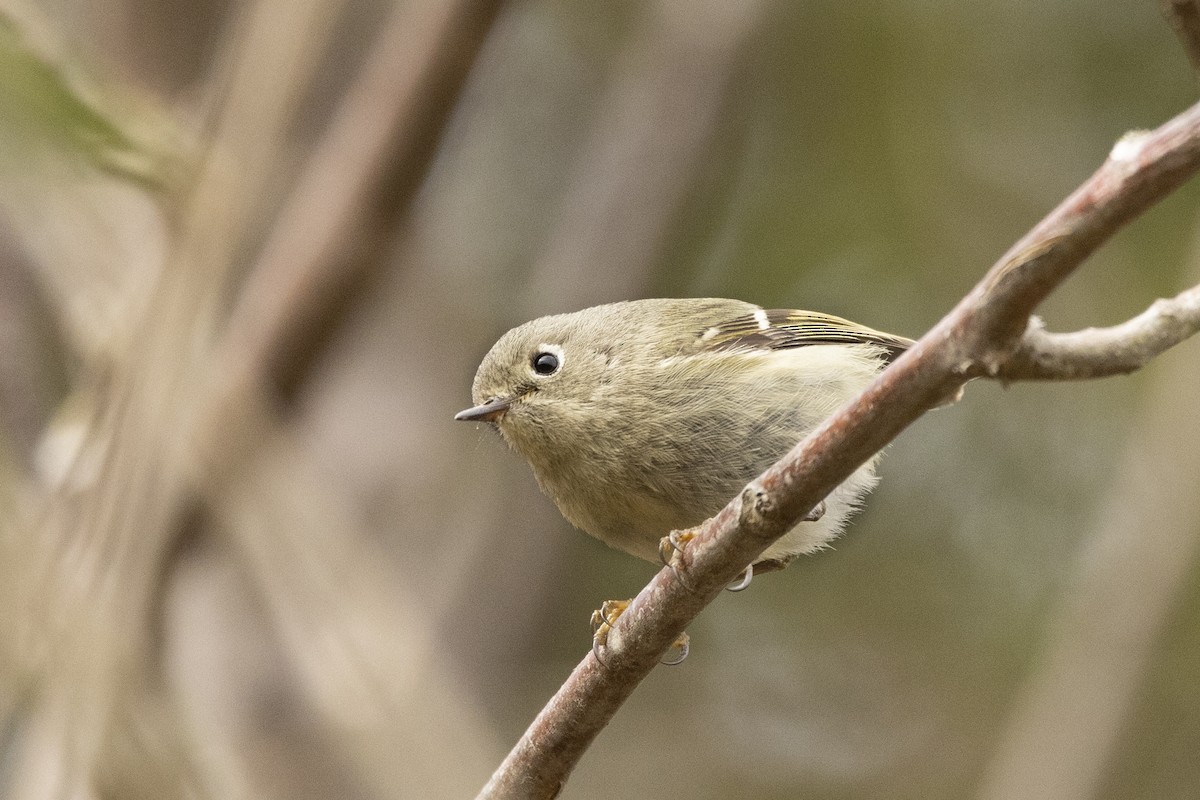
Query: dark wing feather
[{"x": 789, "y": 328}]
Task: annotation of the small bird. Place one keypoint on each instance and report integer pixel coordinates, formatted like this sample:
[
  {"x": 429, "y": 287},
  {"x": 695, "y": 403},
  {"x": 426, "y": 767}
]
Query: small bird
[{"x": 644, "y": 417}]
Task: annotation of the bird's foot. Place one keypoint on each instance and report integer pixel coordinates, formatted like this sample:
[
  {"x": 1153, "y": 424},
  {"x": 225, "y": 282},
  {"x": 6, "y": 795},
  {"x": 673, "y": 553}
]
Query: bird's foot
[
  {"x": 672, "y": 545},
  {"x": 674, "y": 542},
  {"x": 816, "y": 514},
  {"x": 602, "y": 622},
  {"x": 606, "y": 616}
]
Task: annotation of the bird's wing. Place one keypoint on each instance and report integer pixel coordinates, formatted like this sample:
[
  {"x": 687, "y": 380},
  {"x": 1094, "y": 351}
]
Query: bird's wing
[{"x": 782, "y": 328}]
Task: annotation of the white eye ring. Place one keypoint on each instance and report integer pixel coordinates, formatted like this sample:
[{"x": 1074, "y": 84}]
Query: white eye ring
[{"x": 546, "y": 360}]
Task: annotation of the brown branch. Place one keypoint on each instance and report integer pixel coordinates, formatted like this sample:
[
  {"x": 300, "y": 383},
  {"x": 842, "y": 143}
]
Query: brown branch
[
  {"x": 976, "y": 339},
  {"x": 1100, "y": 352}
]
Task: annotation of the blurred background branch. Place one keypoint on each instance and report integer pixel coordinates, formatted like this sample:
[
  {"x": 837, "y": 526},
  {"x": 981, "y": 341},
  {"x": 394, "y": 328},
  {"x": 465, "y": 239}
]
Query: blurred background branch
[
  {"x": 1184, "y": 17},
  {"x": 361, "y": 176},
  {"x": 211, "y": 221}
]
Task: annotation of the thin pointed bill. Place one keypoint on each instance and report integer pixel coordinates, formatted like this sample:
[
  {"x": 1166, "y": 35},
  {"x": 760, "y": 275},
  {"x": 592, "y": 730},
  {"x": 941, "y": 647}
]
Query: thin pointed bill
[{"x": 491, "y": 411}]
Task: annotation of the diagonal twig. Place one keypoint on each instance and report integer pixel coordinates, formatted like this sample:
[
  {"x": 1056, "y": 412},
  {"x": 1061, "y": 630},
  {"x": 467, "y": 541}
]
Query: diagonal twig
[{"x": 975, "y": 340}]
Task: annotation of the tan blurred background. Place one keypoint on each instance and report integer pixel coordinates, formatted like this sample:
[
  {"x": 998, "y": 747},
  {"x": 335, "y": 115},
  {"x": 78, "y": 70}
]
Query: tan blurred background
[{"x": 250, "y": 255}]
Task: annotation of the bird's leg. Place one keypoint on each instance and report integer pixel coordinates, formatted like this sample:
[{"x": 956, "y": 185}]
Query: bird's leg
[
  {"x": 605, "y": 617},
  {"x": 772, "y": 564}
]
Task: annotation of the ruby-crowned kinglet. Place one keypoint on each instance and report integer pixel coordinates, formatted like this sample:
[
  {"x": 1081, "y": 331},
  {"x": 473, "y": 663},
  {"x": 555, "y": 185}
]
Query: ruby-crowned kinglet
[{"x": 645, "y": 417}]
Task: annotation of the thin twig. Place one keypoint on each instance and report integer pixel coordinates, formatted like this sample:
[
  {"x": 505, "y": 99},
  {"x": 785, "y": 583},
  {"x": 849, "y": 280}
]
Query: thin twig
[
  {"x": 1100, "y": 352},
  {"x": 974, "y": 340}
]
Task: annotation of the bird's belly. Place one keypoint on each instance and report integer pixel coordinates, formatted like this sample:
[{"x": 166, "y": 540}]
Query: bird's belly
[
  {"x": 634, "y": 519},
  {"x": 685, "y": 466}
]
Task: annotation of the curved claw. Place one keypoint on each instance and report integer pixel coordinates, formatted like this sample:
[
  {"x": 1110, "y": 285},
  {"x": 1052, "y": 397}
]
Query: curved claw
[
  {"x": 816, "y": 514},
  {"x": 602, "y": 622},
  {"x": 680, "y": 648},
  {"x": 605, "y": 617},
  {"x": 673, "y": 543},
  {"x": 743, "y": 582},
  {"x": 666, "y": 550},
  {"x": 597, "y": 646}
]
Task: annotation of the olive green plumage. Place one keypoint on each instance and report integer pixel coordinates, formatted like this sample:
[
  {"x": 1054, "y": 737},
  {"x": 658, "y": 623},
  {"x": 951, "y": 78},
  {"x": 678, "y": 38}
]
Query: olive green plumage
[{"x": 643, "y": 417}]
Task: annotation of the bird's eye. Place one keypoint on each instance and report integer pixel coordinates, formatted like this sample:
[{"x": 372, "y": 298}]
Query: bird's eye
[{"x": 545, "y": 363}]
